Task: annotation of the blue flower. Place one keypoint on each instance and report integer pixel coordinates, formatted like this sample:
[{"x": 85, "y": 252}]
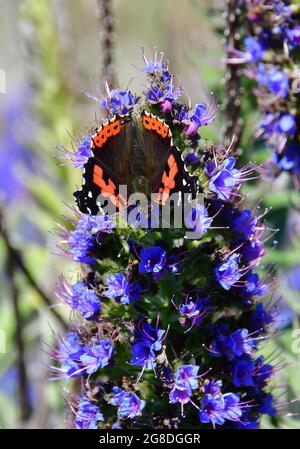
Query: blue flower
[
  {"x": 202, "y": 115},
  {"x": 153, "y": 260},
  {"x": 234, "y": 345},
  {"x": 82, "y": 240},
  {"x": 254, "y": 48},
  {"x": 253, "y": 286},
  {"x": 225, "y": 179},
  {"x": 129, "y": 405},
  {"x": 88, "y": 414},
  {"x": 212, "y": 409},
  {"x": 228, "y": 273},
  {"x": 198, "y": 219},
  {"x": 83, "y": 153},
  {"x": 277, "y": 81},
  {"x": 187, "y": 374},
  {"x": 232, "y": 409},
  {"x": 243, "y": 372},
  {"x": 289, "y": 159},
  {"x": 96, "y": 356},
  {"x": 267, "y": 406},
  {"x": 80, "y": 298},
  {"x": 68, "y": 353},
  {"x": 105, "y": 224},
  {"x": 252, "y": 250},
  {"x": 121, "y": 290},
  {"x": 244, "y": 223},
  {"x": 194, "y": 311},
  {"x": 147, "y": 342},
  {"x": 212, "y": 386},
  {"x": 260, "y": 318},
  {"x": 119, "y": 102},
  {"x": 155, "y": 94}
]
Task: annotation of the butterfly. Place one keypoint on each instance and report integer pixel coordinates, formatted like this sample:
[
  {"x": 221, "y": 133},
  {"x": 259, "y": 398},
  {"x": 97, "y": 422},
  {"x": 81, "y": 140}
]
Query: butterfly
[{"x": 137, "y": 152}]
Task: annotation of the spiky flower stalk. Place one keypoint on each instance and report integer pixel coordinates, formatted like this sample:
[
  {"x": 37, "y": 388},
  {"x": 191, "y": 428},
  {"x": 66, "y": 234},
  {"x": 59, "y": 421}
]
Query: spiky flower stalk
[
  {"x": 107, "y": 38},
  {"x": 271, "y": 60},
  {"x": 167, "y": 326},
  {"x": 232, "y": 89}
]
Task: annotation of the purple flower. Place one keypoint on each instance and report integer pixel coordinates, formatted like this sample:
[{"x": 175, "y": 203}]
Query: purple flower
[
  {"x": 212, "y": 386},
  {"x": 243, "y": 372},
  {"x": 289, "y": 159},
  {"x": 147, "y": 342},
  {"x": 234, "y": 345},
  {"x": 293, "y": 35},
  {"x": 82, "y": 154},
  {"x": 80, "y": 298},
  {"x": 198, "y": 219},
  {"x": 228, "y": 273},
  {"x": 105, "y": 224},
  {"x": 202, "y": 115},
  {"x": 153, "y": 260},
  {"x": 188, "y": 375},
  {"x": 252, "y": 250},
  {"x": 253, "y": 286},
  {"x": 232, "y": 409},
  {"x": 225, "y": 179},
  {"x": 262, "y": 372},
  {"x": 254, "y": 48},
  {"x": 194, "y": 311},
  {"x": 120, "y": 289},
  {"x": 82, "y": 240},
  {"x": 129, "y": 405},
  {"x": 96, "y": 356},
  {"x": 275, "y": 80},
  {"x": 260, "y": 318},
  {"x": 119, "y": 102},
  {"x": 267, "y": 406},
  {"x": 212, "y": 409},
  {"x": 155, "y": 94},
  {"x": 88, "y": 414},
  {"x": 68, "y": 354},
  {"x": 244, "y": 224}
]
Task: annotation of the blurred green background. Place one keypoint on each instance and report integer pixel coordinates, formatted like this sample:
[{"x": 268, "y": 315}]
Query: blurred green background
[{"x": 51, "y": 53}]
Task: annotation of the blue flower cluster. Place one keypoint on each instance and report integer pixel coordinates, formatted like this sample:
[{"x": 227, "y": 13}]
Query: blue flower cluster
[
  {"x": 153, "y": 306},
  {"x": 272, "y": 57}
]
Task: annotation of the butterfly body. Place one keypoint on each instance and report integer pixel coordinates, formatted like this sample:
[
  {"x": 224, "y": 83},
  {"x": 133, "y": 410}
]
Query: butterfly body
[{"x": 136, "y": 152}]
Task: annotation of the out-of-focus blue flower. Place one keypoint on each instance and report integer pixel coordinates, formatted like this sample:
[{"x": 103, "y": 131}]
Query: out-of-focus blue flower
[
  {"x": 289, "y": 159},
  {"x": 254, "y": 48},
  {"x": 228, "y": 273},
  {"x": 120, "y": 289},
  {"x": 293, "y": 35},
  {"x": 275, "y": 80},
  {"x": 17, "y": 131},
  {"x": 129, "y": 404},
  {"x": 88, "y": 414}
]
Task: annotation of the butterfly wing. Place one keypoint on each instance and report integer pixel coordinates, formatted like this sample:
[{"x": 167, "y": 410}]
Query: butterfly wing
[{"x": 109, "y": 168}]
